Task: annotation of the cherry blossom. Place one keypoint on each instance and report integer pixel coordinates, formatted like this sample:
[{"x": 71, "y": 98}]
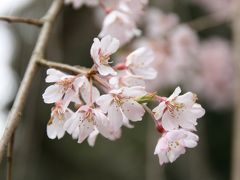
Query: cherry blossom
[
  {"x": 184, "y": 43},
  {"x": 138, "y": 63},
  {"x": 178, "y": 111},
  {"x": 121, "y": 107},
  {"x": 174, "y": 143},
  {"x": 158, "y": 24},
  {"x": 65, "y": 88},
  {"x": 101, "y": 51},
  {"x": 216, "y": 72},
  {"x": 89, "y": 93},
  {"x": 126, "y": 80},
  {"x": 57, "y": 120},
  {"x": 87, "y": 120},
  {"x": 119, "y": 25},
  {"x": 134, "y": 8}
]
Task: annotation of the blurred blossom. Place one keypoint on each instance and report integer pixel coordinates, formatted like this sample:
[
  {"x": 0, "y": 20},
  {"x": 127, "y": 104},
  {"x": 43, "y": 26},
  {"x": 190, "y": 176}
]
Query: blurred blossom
[
  {"x": 9, "y": 6},
  {"x": 175, "y": 46},
  {"x": 215, "y": 79},
  {"x": 159, "y": 23}
]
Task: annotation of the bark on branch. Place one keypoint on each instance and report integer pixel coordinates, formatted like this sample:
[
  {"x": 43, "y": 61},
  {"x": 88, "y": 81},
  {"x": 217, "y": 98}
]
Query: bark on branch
[
  {"x": 63, "y": 67},
  {"x": 13, "y": 19},
  {"x": 40, "y": 47}
]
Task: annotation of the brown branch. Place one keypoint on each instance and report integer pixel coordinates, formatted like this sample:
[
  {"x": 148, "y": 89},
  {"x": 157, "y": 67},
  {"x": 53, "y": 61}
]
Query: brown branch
[
  {"x": 149, "y": 111},
  {"x": 75, "y": 70},
  {"x": 10, "y": 158},
  {"x": 32, "y": 68},
  {"x": 236, "y": 123},
  {"x": 210, "y": 20},
  {"x": 13, "y": 19},
  {"x": 63, "y": 67}
]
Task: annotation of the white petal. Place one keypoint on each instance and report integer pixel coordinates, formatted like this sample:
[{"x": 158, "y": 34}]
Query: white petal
[
  {"x": 51, "y": 132},
  {"x": 141, "y": 57},
  {"x": 158, "y": 111},
  {"x": 133, "y": 110},
  {"x": 85, "y": 128},
  {"x": 163, "y": 158},
  {"x": 54, "y": 75},
  {"x": 106, "y": 70},
  {"x": 92, "y": 137},
  {"x": 133, "y": 81},
  {"x": 95, "y": 50},
  {"x": 71, "y": 124},
  {"x": 104, "y": 102},
  {"x": 197, "y": 110},
  {"x": 134, "y": 91},
  {"x": 146, "y": 73},
  {"x": 75, "y": 133},
  {"x": 126, "y": 121},
  {"x": 169, "y": 122},
  {"x": 115, "y": 116},
  {"x": 187, "y": 99},
  {"x": 85, "y": 92},
  {"x": 176, "y": 92},
  {"x": 68, "y": 97},
  {"x": 53, "y": 94},
  {"x": 109, "y": 45}
]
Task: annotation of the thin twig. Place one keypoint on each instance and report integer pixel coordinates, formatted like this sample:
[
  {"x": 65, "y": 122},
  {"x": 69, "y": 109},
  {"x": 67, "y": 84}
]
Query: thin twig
[
  {"x": 150, "y": 113},
  {"x": 13, "y": 19},
  {"x": 236, "y": 124},
  {"x": 10, "y": 158},
  {"x": 210, "y": 20},
  {"x": 32, "y": 68},
  {"x": 75, "y": 70},
  {"x": 64, "y": 67}
]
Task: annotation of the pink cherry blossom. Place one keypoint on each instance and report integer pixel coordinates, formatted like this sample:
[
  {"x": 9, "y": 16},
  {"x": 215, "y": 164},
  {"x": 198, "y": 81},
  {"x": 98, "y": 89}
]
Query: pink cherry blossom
[
  {"x": 101, "y": 51},
  {"x": 89, "y": 93},
  {"x": 178, "y": 111},
  {"x": 119, "y": 25},
  {"x": 158, "y": 24},
  {"x": 216, "y": 72},
  {"x": 126, "y": 80},
  {"x": 138, "y": 63},
  {"x": 174, "y": 143},
  {"x": 85, "y": 121},
  {"x": 184, "y": 42},
  {"x": 133, "y": 8},
  {"x": 57, "y": 120},
  {"x": 121, "y": 107},
  {"x": 65, "y": 88}
]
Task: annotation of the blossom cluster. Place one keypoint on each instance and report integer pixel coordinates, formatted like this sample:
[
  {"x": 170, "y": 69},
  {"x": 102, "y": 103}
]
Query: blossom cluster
[
  {"x": 121, "y": 17},
  {"x": 108, "y": 97}
]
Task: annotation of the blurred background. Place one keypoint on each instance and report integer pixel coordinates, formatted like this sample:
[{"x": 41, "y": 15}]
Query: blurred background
[{"x": 209, "y": 73}]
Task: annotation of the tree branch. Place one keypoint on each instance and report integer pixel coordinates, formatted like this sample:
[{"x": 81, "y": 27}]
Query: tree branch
[
  {"x": 32, "y": 68},
  {"x": 75, "y": 70},
  {"x": 210, "y": 20},
  {"x": 10, "y": 158},
  {"x": 63, "y": 67},
  {"x": 13, "y": 19}
]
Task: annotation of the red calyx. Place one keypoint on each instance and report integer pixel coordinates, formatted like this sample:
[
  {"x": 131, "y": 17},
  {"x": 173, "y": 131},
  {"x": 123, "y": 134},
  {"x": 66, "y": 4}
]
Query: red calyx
[
  {"x": 160, "y": 127},
  {"x": 120, "y": 67}
]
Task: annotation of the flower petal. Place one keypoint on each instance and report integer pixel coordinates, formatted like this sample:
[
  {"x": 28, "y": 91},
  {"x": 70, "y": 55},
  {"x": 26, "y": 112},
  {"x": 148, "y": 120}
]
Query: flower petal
[
  {"x": 53, "y": 94},
  {"x": 133, "y": 110}
]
